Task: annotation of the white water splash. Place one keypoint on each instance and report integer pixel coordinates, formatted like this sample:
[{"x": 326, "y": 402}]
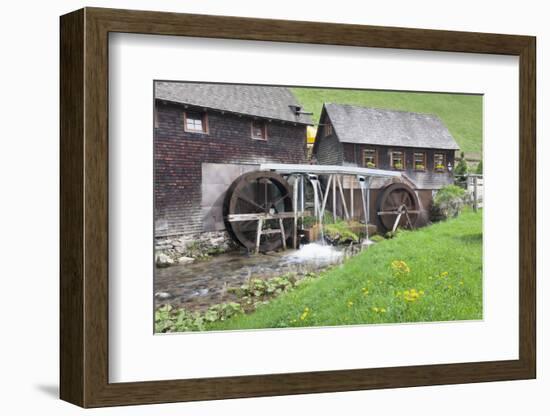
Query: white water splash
[{"x": 315, "y": 253}]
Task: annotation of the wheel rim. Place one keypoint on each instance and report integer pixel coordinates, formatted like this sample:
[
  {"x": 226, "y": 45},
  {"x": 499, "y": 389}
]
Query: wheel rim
[
  {"x": 258, "y": 192},
  {"x": 394, "y": 200}
]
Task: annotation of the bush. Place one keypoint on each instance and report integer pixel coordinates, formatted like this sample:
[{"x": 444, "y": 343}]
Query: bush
[
  {"x": 448, "y": 202},
  {"x": 340, "y": 233},
  {"x": 310, "y": 221},
  {"x": 479, "y": 169}
]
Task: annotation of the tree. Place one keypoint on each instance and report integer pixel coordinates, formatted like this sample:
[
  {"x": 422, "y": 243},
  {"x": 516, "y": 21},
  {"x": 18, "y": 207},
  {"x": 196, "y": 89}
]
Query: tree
[{"x": 461, "y": 168}]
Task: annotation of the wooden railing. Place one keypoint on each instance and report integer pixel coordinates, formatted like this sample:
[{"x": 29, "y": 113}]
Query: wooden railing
[{"x": 473, "y": 184}]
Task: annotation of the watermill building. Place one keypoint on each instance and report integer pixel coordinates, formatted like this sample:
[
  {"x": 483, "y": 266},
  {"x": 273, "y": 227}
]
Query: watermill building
[
  {"x": 418, "y": 145},
  {"x": 206, "y": 135}
]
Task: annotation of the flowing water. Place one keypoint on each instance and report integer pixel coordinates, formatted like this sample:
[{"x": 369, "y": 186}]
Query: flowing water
[
  {"x": 204, "y": 283},
  {"x": 198, "y": 285}
]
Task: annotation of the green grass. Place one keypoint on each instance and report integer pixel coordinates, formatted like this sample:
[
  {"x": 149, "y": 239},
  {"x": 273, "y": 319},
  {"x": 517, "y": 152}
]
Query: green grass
[
  {"x": 445, "y": 262},
  {"x": 462, "y": 114}
]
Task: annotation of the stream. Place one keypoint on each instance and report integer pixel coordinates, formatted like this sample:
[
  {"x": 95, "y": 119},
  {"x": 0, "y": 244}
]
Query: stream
[{"x": 204, "y": 283}]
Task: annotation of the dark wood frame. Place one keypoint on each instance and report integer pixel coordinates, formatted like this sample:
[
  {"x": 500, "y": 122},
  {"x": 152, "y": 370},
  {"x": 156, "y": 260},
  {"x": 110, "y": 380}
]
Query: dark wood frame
[
  {"x": 84, "y": 207},
  {"x": 204, "y": 121},
  {"x": 404, "y": 156},
  {"x": 264, "y": 128},
  {"x": 375, "y": 156},
  {"x": 444, "y": 162},
  {"x": 424, "y": 157}
]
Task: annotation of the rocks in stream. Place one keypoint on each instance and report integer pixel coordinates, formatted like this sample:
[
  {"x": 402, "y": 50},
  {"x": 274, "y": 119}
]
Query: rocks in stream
[
  {"x": 163, "y": 295},
  {"x": 185, "y": 260},
  {"x": 163, "y": 260}
]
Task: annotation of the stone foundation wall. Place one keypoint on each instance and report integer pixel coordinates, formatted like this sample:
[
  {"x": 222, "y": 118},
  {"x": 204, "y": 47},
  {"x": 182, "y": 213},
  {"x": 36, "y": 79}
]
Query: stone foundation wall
[{"x": 187, "y": 248}]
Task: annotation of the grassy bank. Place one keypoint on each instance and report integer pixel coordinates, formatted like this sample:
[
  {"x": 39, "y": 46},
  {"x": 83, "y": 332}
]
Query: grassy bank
[
  {"x": 462, "y": 114},
  {"x": 432, "y": 274}
]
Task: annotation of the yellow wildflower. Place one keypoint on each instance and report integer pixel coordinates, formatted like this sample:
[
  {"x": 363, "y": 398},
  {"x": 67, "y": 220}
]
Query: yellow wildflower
[
  {"x": 400, "y": 268},
  {"x": 375, "y": 309},
  {"x": 412, "y": 295},
  {"x": 350, "y": 303}
]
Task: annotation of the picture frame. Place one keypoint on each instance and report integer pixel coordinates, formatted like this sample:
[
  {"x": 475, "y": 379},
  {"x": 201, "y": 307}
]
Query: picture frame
[{"x": 84, "y": 218}]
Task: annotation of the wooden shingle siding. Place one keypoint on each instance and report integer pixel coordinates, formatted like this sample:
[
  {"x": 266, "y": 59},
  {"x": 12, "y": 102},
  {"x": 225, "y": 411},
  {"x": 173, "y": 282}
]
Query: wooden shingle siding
[
  {"x": 179, "y": 156},
  {"x": 385, "y": 131},
  {"x": 329, "y": 151}
]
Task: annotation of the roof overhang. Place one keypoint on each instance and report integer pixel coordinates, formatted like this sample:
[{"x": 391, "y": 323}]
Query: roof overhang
[{"x": 236, "y": 113}]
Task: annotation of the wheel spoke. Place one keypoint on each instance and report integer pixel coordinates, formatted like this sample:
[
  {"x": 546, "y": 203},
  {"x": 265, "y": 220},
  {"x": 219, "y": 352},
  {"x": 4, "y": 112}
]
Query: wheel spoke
[
  {"x": 274, "y": 204},
  {"x": 387, "y": 212},
  {"x": 395, "y": 199},
  {"x": 265, "y": 196},
  {"x": 251, "y": 202}
]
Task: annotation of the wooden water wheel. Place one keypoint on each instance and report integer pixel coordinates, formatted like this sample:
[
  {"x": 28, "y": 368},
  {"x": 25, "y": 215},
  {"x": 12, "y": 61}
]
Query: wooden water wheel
[
  {"x": 255, "y": 195},
  {"x": 397, "y": 206}
]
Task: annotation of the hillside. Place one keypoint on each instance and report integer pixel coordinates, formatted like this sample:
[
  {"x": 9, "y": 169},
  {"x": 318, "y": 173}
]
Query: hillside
[{"x": 462, "y": 114}]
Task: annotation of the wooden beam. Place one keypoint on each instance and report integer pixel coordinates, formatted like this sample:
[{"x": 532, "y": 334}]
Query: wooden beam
[
  {"x": 295, "y": 206},
  {"x": 283, "y": 236},
  {"x": 262, "y": 215},
  {"x": 326, "y": 196},
  {"x": 259, "y": 235},
  {"x": 334, "y": 199},
  {"x": 342, "y": 196},
  {"x": 351, "y": 196},
  {"x": 475, "y": 193},
  {"x": 271, "y": 231}
]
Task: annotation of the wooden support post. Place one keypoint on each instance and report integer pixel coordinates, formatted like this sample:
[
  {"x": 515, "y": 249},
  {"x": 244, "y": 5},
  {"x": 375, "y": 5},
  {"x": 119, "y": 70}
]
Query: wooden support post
[
  {"x": 283, "y": 236},
  {"x": 396, "y": 223},
  {"x": 295, "y": 202},
  {"x": 326, "y": 196},
  {"x": 367, "y": 213},
  {"x": 475, "y": 193},
  {"x": 302, "y": 194},
  {"x": 351, "y": 192},
  {"x": 334, "y": 198},
  {"x": 259, "y": 234},
  {"x": 344, "y": 205}
]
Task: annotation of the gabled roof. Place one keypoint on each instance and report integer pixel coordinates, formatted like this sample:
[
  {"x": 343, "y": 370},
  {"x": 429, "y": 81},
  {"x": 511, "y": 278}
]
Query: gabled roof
[
  {"x": 275, "y": 103},
  {"x": 363, "y": 125}
]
